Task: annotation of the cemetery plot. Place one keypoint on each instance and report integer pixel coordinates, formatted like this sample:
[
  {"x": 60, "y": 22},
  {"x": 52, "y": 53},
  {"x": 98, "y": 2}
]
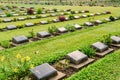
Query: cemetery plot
[
  {"x": 62, "y": 30},
  {"x": 19, "y": 40},
  {"x": 11, "y": 27},
  {"x": 7, "y": 20},
  {"x": 77, "y": 26},
  {"x": 29, "y": 24},
  {"x": 88, "y": 24},
  {"x": 43, "y": 34},
  {"x": 45, "y": 71},
  {"x": 77, "y": 60},
  {"x": 101, "y": 49}
]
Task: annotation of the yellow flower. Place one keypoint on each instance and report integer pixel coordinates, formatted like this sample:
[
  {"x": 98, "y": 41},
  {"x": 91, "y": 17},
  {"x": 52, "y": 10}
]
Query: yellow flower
[
  {"x": 18, "y": 56},
  {"x": 15, "y": 70},
  {"x": 27, "y": 58},
  {"x": 2, "y": 58},
  {"x": 31, "y": 66},
  {"x": 22, "y": 59}
]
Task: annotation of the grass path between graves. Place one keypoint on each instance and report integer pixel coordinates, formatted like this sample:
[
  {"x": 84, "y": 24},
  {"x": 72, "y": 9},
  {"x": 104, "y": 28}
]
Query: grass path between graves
[
  {"x": 53, "y": 49},
  {"x": 107, "y": 68},
  {"x": 25, "y": 31}
]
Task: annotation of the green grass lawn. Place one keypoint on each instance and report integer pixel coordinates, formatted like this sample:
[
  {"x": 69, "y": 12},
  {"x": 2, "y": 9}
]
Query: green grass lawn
[{"x": 54, "y": 49}]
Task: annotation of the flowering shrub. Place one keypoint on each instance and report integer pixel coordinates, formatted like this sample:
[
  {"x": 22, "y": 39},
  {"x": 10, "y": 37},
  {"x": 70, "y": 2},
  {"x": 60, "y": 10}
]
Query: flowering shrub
[
  {"x": 30, "y": 11},
  {"x": 61, "y": 18},
  {"x": 16, "y": 70}
]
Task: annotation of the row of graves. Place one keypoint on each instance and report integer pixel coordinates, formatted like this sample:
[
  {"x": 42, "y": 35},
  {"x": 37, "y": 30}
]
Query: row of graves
[
  {"x": 41, "y": 16},
  {"x": 15, "y": 11},
  {"x": 60, "y": 19},
  {"x": 20, "y": 40},
  {"x": 77, "y": 60}
]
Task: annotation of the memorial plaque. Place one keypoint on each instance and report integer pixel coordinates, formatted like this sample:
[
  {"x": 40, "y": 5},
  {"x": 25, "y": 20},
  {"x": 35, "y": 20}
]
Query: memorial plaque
[
  {"x": 11, "y": 27},
  {"x": 33, "y": 17},
  {"x": 7, "y": 20},
  {"x": 107, "y": 19},
  {"x": 77, "y": 26},
  {"x": 115, "y": 39},
  {"x": 43, "y": 34},
  {"x": 84, "y": 16},
  {"x": 62, "y": 30},
  {"x": 76, "y": 57},
  {"x": 21, "y": 19},
  {"x": 15, "y": 14},
  {"x": 44, "y": 22},
  {"x": 100, "y": 47},
  {"x": 88, "y": 24},
  {"x": 52, "y": 14},
  {"x": 76, "y": 17},
  {"x": 43, "y": 16},
  {"x": 44, "y": 71},
  {"x": 29, "y": 24},
  {"x": 55, "y": 20},
  {"x": 20, "y": 39},
  {"x": 98, "y": 22}
]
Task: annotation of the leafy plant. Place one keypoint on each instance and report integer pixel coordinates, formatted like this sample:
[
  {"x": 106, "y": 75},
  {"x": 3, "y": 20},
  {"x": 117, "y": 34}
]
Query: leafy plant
[
  {"x": 5, "y": 44},
  {"x": 72, "y": 12},
  {"x": 55, "y": 10},
  {"x": 53, "y": 30},
  {"x": 18, "y": 69},
  {"x": 86, "y": 49},
  {"x": 20, "y": 26},
  {"x": 112, "y": 18},
  {"x": 71, "y": 17},
  {"x": 106, "y": 39},
  {"x": 9, "y": 15},
  {"x": 70, "y": 27},
  {"x": 65, "y": 13},
  {"x": 32, "y": 33},
  {"x": 39, "y": 11}
]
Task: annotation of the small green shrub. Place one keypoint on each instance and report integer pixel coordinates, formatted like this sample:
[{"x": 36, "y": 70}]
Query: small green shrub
[
  {"x": 14, "y": 19},
  {"x": 72, "y": 12},
  {"x": 70, "y": 27},
  {"x": 106, "y": 39},
  {"x": 39, "y": 11},
  {"x": 9, "y": 15},
  {"x": 53, "y": 29},
  {"x": 86, "y": 49},
  {"x": 20, "y": 26},
  {"x": 112, "y": 18},
  {"x": 32, "y": 33},
  {"x": 5, "y": 44},
  {"x": 104, "y": 21},
  {"x": 71, "y": 17},
  {"x": 65, "y": 13},
  {"x": 38, "y": 16},
  {"x": 55, "y": 10}
]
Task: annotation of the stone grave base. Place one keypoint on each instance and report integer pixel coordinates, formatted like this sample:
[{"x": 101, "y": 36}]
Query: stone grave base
[
  {"x": 15, "y": 44},
  {"x": 59, "y": 76},
  {"x": 104, "y": 53},
  {"x": 116, "y": 45},
  {"x": 79, "y": 66}
]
